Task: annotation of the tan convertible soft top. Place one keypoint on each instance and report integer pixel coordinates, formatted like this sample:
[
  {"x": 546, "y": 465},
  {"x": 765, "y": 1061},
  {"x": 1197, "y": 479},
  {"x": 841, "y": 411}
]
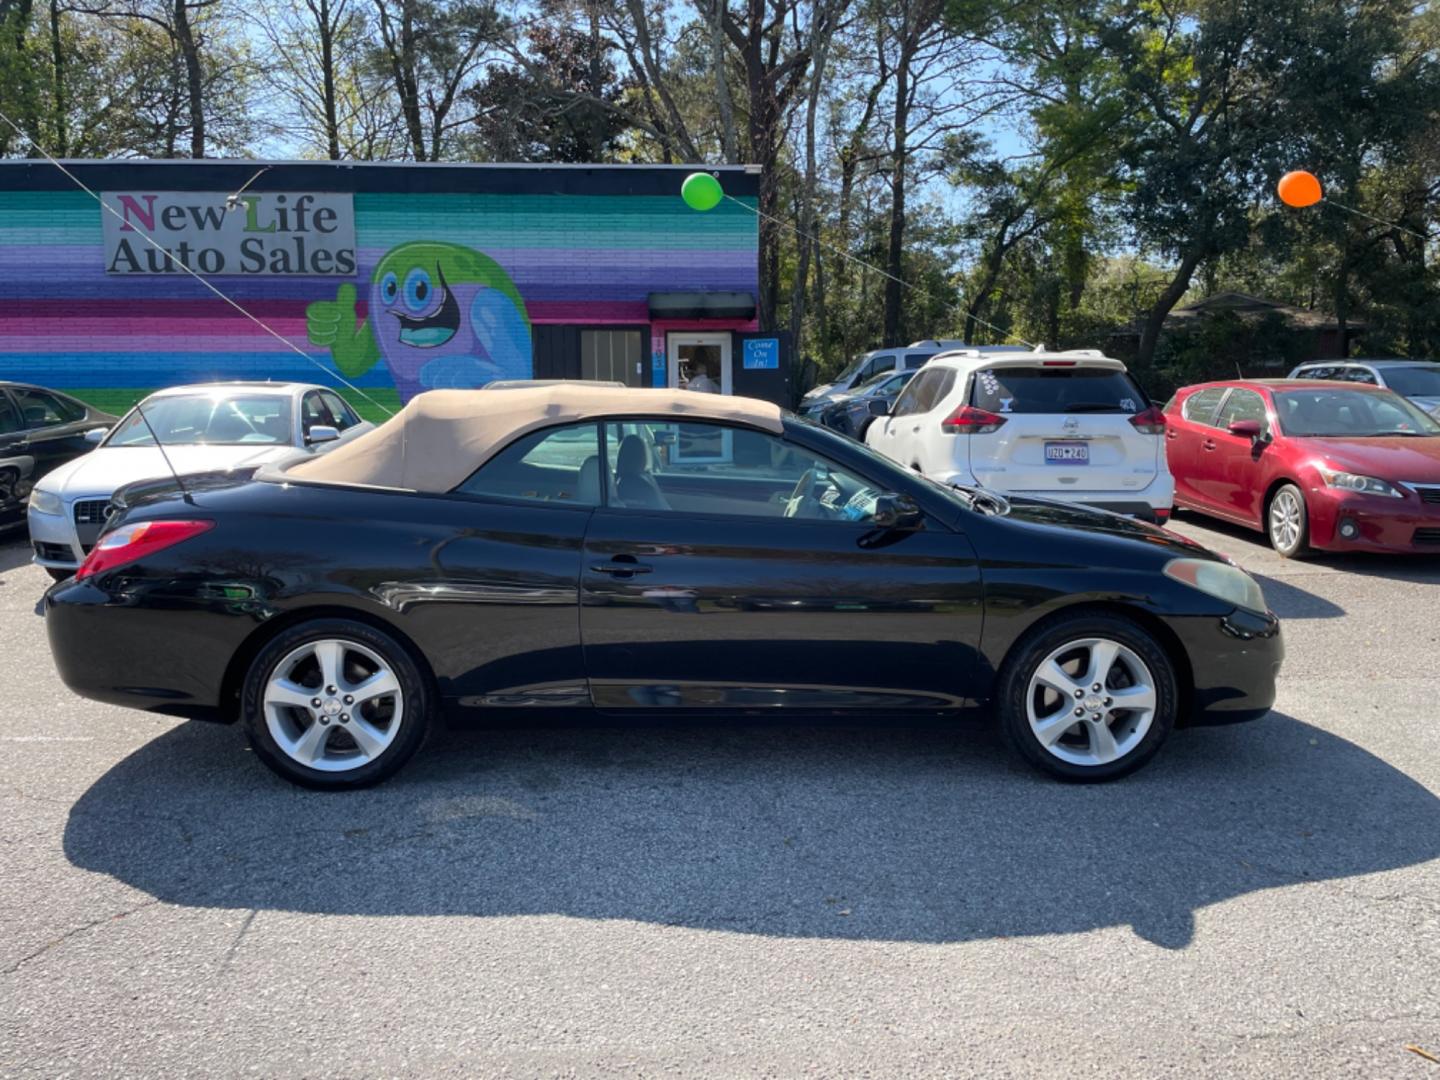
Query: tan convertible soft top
[{"x": 443, "y": 436}]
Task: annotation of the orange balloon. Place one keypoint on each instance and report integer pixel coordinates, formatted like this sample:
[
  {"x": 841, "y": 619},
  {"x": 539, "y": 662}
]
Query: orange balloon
[{"x": 1299, "y": 188}]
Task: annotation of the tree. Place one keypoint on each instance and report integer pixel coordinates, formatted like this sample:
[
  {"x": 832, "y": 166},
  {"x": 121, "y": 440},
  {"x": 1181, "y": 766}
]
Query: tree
[
  {"x": 560, "y": 101},
  {"x": 322, "y": 76},
  {"x": 198, "y": 41},
  {"x": 432, "y": 50}
]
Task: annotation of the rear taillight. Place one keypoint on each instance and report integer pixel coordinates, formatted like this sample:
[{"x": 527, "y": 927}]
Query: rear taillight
[
  {"x": 1162, "y": 515},
  {"x": 968, "y": 420},
  {"x": 1149, "y": 422},
  {"x": 131, "y": 542}
]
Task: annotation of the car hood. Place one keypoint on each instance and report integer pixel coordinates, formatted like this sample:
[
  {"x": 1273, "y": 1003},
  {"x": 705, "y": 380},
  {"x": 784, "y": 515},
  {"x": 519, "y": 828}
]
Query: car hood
[
  {"x": 1402, "y": 458},
  {"x": 101, "y": 471},
  {"x": 1103, "y": 524}
]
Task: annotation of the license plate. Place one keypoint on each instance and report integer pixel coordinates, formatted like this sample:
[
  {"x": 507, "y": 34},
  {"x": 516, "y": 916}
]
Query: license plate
[{"x": 1067, "y": 453}]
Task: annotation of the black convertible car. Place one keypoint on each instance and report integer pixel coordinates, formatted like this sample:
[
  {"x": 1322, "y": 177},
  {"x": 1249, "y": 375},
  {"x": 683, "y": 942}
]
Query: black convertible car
[{"x": 645, "y": 551}]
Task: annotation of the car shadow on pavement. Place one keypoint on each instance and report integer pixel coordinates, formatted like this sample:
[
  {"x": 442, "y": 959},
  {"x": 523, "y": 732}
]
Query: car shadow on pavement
[
  {"x": 14, "y": 551},
  {"x": 1292, "y": 602},
  {"x": 892, "y": 833}
]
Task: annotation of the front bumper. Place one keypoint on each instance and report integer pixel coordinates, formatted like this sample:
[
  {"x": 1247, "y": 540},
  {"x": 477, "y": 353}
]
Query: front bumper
[
  {"x": 1394, "y": 526},
  {"x": 61, "y": 541},
  {"x": 1234, "y": 662}
]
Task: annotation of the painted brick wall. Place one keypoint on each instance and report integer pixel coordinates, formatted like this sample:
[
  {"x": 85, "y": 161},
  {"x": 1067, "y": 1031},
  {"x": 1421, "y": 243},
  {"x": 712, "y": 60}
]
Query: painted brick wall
[{"x": 573, "y": 258}]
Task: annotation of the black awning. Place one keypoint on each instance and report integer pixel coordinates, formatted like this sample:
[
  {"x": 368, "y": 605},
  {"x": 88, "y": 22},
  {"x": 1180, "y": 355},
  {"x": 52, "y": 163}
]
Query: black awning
[{"x": 702, "y": 305}]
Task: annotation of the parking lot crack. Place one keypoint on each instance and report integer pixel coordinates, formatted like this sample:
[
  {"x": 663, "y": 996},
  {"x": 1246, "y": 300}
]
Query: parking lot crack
[{"x": 54, "y": 943}]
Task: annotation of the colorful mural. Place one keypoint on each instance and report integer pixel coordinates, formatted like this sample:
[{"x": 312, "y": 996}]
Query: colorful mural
[
  {"x": 447, "y": 290},
  {"x": 441, "y": 316}
]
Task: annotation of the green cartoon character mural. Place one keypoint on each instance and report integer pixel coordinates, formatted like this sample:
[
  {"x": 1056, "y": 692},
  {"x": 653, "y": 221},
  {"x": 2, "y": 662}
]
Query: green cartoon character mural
[{"x": 439, "y": 315}]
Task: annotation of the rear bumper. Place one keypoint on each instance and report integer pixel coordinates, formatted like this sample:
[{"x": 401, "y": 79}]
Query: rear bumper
[
  {"x": 1234, "y": 662},
  {"x": 110, "y": 648}
]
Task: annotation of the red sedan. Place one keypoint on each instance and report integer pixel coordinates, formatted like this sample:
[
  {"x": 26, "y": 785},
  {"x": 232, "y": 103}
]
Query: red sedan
[{"x": 1339, "y": 467}]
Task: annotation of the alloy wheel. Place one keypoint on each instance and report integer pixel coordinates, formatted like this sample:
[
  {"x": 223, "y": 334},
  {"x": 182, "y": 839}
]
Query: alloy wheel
[
  {"x": 333, "y": 705},
  {"x": 1091, "y": 701},
  {"x": 1287, "y": 518}
]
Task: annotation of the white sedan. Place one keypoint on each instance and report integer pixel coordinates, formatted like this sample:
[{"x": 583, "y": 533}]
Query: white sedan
[{"x": 210, "y": 427}]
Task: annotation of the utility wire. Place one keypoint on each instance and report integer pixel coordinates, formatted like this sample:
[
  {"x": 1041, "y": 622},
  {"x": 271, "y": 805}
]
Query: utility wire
[
  {"x": 949, "y": 304},
  {"x": 178, "y": 264},
  {"x": 1372, "y": 217}
]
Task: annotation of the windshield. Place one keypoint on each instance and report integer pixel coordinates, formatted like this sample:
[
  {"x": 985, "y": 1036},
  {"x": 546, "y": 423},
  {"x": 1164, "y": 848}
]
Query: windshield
[
  {"x": 851, "y": 368},
  {"x": 1353, "y": 413},
  {"x": 1422, "y": 380},
  {"x": 886, "y": 381},
  {"x": 208, "y": 420},
  {"x": 1056, "y": 390}
]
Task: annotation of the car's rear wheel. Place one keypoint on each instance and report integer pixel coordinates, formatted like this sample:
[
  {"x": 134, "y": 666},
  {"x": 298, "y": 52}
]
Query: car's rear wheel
[
  {"x": 335, "y": 704},
  {"x": 1287, "y": 522},
  {"x": 1088, "y": 697}
]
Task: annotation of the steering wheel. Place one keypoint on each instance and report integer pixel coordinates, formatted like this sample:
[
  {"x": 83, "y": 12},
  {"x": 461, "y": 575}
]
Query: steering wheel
[{"x": 801, "y": 497}]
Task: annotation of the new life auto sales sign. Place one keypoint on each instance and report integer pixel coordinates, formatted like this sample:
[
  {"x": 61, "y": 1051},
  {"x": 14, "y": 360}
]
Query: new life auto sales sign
[{"x": 257, "y": 233}]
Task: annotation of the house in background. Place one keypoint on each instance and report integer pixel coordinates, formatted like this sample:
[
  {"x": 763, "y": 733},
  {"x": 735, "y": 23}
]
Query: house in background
[{"x": 1311, "y": 335}]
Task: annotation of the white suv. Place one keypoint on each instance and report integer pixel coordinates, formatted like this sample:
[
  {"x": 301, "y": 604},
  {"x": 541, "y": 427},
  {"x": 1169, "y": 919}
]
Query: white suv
[{"x": 1062, "y": 425}]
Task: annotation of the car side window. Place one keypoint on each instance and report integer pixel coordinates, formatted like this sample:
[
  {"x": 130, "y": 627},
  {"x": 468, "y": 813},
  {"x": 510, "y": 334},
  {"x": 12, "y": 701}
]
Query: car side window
[
  {"x": 1361, "y": 375},
  {"x": 939, "y": 388},
  {"x": 41, "y": 410},
  {"x": 313, "y": 412},
  {"x": 909, "y": 398},
  {"x": 1200, "y": 406},
  {"x": 916, "y": 360},
  {"x": 882, "y": 363},
  {"x": 706, "y": 468},
  {"x": 9, "y": 418},
  {"x": 552, "y": 465},
  {"x": 1243, "y": 405},
  {"x": 343, "y": 416}
]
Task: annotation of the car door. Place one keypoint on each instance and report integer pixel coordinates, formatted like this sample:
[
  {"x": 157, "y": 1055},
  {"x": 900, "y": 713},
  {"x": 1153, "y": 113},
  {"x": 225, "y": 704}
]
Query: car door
[
  {"x": 1235, "y": 466},
  {"x": 899, "y": 439},
  {"x": 504, "y": 583},
  {"x": 16, "y": 466},
  {"x": 1189, "y": 444},
  {"x": 52, "y": 427},
  {"x": 762, "y": 583}
]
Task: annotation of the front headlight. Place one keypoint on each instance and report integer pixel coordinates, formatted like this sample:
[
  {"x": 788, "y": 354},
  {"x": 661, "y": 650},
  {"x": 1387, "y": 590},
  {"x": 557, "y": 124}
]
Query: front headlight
[
  {"x": 45, "y": 502},
  {"x": 1220, "y": 580},
  {"x": 1366, "y": 485}
]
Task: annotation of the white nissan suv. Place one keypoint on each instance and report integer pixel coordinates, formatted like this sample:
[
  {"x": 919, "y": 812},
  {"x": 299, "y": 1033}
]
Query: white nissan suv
[{"x": 1067, "y": 425}]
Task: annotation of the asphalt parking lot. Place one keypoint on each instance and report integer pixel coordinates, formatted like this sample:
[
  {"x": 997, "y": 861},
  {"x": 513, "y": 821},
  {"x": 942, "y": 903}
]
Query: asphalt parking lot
[{"x": 1261, "y": 901}]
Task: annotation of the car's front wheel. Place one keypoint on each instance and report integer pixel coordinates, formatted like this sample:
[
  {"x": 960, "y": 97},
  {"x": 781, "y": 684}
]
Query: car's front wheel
[
  {"x": 335, "y": 703},
  {"x": 1088, "y": 697},
  {"x": 1288, "y": 522}
]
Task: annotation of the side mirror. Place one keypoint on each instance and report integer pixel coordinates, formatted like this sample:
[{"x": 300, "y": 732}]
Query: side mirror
[
  {"x": 1246, "y": 429},
  {"x": 897, "y": 512},
  {"x": 321, "y": 433},
  {"x": 879, "y": 407},
  {"x": 95, "y": 434}
]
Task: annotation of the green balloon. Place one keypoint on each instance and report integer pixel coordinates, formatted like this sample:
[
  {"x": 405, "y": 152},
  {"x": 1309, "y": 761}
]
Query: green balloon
[{"x": 701, "y": 191}]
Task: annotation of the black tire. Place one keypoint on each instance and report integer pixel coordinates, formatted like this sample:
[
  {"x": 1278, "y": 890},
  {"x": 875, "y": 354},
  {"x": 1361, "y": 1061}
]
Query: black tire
[
  {"x": 1014, "y": 684},
  {"x": 58, "y": 575},
  {"x": 417, "y": 696},
  {"x": 1276, "y": 534}
]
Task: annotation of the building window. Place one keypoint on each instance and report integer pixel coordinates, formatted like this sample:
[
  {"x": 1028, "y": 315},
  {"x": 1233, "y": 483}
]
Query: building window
[{"x": 612, "y": 356}]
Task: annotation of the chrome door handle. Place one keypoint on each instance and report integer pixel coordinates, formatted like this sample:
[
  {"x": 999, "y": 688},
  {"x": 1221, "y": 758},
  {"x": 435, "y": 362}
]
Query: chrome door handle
[{"x": 621, "y": 568}]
